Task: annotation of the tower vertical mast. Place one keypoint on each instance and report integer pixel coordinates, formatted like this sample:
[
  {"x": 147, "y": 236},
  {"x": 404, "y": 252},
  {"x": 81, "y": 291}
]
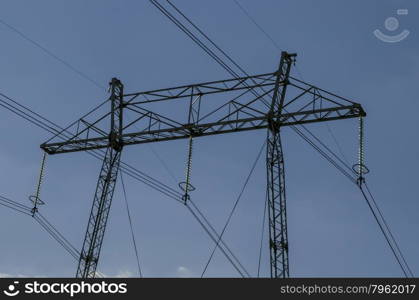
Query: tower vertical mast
[
  {"x": 278, "y": 237},
  {"x": 89, "y": 256}
]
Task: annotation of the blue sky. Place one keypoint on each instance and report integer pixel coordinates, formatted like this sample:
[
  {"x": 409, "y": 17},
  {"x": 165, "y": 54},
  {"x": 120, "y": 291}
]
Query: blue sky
[{"x": 331, "y": 231}]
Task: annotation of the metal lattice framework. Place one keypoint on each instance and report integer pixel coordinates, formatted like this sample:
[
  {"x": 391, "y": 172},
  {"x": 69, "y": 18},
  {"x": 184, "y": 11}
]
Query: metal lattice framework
[
  {"x": 278, "y": 234},
  {"x": 268, "y": 101},
  {"x": 89, "y": 255}
]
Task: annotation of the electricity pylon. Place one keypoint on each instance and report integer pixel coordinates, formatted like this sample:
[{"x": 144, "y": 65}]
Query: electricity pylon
[{"x": 268, "y": 101}]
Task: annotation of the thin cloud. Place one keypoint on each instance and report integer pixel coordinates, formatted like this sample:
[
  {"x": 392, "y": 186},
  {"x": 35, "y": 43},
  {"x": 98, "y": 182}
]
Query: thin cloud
[{"x": 184, "y": 272}]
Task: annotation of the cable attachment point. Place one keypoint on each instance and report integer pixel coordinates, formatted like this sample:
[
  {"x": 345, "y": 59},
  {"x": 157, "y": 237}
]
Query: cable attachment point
[
  {"x": 186, "y": 185},
  {"x": 35, "y": 199}
]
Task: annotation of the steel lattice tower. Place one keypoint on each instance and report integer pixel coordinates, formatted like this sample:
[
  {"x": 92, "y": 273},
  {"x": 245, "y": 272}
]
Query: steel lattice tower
[{"x": 304, "y": 105}]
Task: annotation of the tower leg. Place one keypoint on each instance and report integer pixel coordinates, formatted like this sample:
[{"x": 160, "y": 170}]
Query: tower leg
[
  {"x": 278, "y": 237},
  {"x": 99, "y": 213},
  {"x": 89, "y": 255}
]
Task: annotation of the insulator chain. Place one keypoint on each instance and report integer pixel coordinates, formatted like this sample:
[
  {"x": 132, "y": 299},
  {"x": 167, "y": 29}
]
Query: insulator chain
[
  {"x": 35, "y": 199},
  {"x": 186, "y": 185},
  {"x": 361, "y": 144},
  {"x": 360, "y": 168},
  {"x": 189, "y": 161}
]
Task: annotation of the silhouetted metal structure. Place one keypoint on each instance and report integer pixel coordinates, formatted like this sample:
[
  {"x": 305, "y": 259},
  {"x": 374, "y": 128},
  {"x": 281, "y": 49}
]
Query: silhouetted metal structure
[
  {"x": 89, "y": 255},
  {"x": 290, "y": 102}
]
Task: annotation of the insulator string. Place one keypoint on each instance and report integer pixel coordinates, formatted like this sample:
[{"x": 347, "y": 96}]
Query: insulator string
[{"x": 36, "y": 199}]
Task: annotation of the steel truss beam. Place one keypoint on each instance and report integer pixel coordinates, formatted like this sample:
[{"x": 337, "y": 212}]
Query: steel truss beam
[{"x": 309, "y": 105}]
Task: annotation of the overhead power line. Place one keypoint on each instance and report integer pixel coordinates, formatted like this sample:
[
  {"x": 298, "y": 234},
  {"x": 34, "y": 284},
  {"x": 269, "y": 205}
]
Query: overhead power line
[
  {"x": 219, "y": 60},
  {"x": 45, "y": 224},
  {"x": 385, "y": 229},
  {"x": 384, "y": 233},
  {"x": 234, "y": 208},
  {"x": 382, "y": 223},
  {"x": 388, "y": 229},
  {"x": 51, "y": 127},
  {"x": 214, "y": 237},
  {"x": 267, "y": 35},
  {"x": 131, "y": 226},
  {"x": 265, "y": 208},
  {"x": 340, "y": 165},
  {"x": 275, "y": 44},
  {"x": 51, "y": 54},
  {"x": 58, "y": 131}
]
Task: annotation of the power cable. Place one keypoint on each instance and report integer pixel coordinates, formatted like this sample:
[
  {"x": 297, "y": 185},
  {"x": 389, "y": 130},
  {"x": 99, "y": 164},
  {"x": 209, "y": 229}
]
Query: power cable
[
  {"x": 52, "y": 130},
  {"x": 51, "y": 127},
  {"x": 346, "y": 164},
  {"x": 65, "y": 63},
  {"x": 211, "y": 228},
  {"x": 257, "y": 25},
  {"x": 53, "y": 228},
  {"x": 272, "y": 40},
  {"x": 132, "y": 172},
  {"x": 158, "y": 157},
  {"x": 63, "y": 133},
  {"x": 56, "y": 236},
  {"x": 383, "y": 231},
  {"x": 388, "y": 230},
  {"x": 200, "y": 43},
  {"x": 15, "y": 203},
  {"x": 265, "y": 208},
  {"x": 45, "y": 224},
  {"x": 41, "y": 124},
  {"x": 337, "y": 144},
  {"x": 130, "y": 225},
  {"x": 214, "y": 240},
  {"x": 234, "y": 208},
  {"x": 194, "y": 38},
  {"x": 15, "y": 208},
  {"x": 163, "y": 163},
  {"x": 197, "y": 41},
  {"x": 48, "y": 53},
  {"x": 325, "y": 155}
]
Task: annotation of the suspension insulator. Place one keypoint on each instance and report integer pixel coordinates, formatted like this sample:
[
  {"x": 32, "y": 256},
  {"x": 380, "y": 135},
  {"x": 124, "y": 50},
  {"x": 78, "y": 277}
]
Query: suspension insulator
[
  {"x": 186, "y": 185},
  {"x": 360, "y": 168},
  {"x": 35, "y": 199}
]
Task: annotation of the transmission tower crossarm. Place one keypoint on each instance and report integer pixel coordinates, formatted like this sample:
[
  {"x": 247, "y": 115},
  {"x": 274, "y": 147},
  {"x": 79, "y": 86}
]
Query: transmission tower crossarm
[
  {"x": 320, "y": 106},
  {"x": 202, "y": 89}
]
